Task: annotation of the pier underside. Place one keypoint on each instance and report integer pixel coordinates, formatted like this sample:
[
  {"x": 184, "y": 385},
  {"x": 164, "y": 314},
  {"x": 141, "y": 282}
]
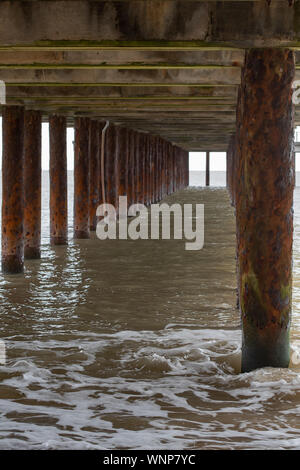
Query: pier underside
[{"x": 143, "y": 83}]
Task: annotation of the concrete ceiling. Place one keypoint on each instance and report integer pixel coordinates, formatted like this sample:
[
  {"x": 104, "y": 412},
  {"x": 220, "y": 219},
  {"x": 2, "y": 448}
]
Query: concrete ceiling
[{"x": 167, "y": 67}]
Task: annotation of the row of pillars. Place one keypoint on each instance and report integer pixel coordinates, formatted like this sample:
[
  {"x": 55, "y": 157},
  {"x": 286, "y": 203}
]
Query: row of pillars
[
  {"x": 260, "y": 180},
  {"x": 109, "y": 161}
]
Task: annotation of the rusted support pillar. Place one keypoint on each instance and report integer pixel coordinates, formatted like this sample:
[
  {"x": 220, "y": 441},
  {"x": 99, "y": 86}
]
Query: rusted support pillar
[
  {"x": 142, "y": 168},
  {"x": 81, "y": 179},
  {"x": 147, "y": 170},
  {"x": 130, "y": 167},
  {"x": 150, "y": 169},
  {"x": 94, "y": 156},
  {"x": 173, "y": 168},
  {"x": 154, "y": 163},
  {"x": 169, "y": 168},
  {"x": 58, "y": 181},
  {"x": 264, "y": 201},
  {"x": 207, "y": 169},
  {"x": 116, "y": 169},
  {"x": 179, "y": 165},
  {"x": 137, "y": 176},
  {"x": 32, "y": 184},
  {"x": 151, "y": 185},
  {"x": 110, "y": 164},
  {"x": 187, "y": 165},
  {"x": 12, "y": 189},
  {"x": 229, "y": 166},
  {"x": 159, "y": 169},
  {"x": 181, "y": 169},
  {"x": 155, "y": 170},
  {"x": 121, "y": 151},
  {"x": 163, "y": 168},
  {"x": 128, "y": 178}
]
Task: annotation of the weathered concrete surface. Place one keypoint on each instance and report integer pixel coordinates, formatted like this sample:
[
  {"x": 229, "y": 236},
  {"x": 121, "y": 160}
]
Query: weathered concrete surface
[
  {"x": 32, "y": 24},
  {"x": 264, "y": 200},
  {"x": 169, "y": 68}
]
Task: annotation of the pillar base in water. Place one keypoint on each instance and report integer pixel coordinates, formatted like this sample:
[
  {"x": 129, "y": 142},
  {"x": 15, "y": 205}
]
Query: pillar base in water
[
  {"x": 12, "y": 264},
  {"x": 80, "y": 234},
  {"x": 59, "y": 241},
  {"x": 31, "y": 252},
  {"x": 263, "y": 196},
  {"x": 265, "y": 348}
]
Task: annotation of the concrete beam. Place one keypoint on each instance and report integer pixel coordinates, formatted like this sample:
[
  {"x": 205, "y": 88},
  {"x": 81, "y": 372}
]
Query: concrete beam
[
  {"x": 36, "y": 92},
  {"x": 95, "y": 23},
  {"x": 127, "y": 58},
  {"x": 228, "y": 75}
]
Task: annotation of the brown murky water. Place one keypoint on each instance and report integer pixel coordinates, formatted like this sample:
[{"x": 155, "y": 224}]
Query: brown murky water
[{"x": 136, "y": 344}]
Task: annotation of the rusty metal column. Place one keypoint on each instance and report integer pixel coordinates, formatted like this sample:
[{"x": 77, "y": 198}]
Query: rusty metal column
[
  {"x": 178, "y": 168},
  {"x": 130, "y": 165},
  {"x": 187, "y": 156},
  {"x": 151, "y": 169},
  {"x": 137, "y": 176},
  {"x": 166, "y": 167},
  {"x": 264, "y": 204},
  {"x": 169, "y": 167},
  {"x": 58, "y": 181},
  {"x": 154, "y": 169},
  {"x": 142, "y": 167},
  {"x": 147, "y": 170},
  {"x": 207, "y": 169},
  {"x": 12, "y": 189},
  {"x": 32, "y": 184},
  {"x": 94, "y": 156},
  {"x": 110, "y": 164},
  {"x": 81, "y": 178},
  {"x": 121, "y": 151},
  {"x": 163, "y": 168},
  {"x": 172, "y": 168},
  {"x": 128, "y": 179},
  {"x": 230, "y": 167},
  {"x": 159, "y": 169},
  {"x": 175, "y": 168}
]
